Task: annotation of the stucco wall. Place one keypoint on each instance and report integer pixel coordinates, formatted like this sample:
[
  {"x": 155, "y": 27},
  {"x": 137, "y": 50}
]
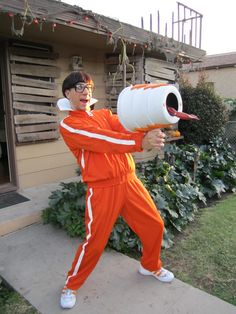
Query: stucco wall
[
  {"x": 51, "y": 162},
  {"x": 224, "y": 80}
]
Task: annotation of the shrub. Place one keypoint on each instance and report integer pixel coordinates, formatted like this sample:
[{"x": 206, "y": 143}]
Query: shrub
[
  {"x": 66, "y": 208},
  {"x": 174, "y": 192},
  {"x": 208, "y": 106},
  {"x": 178, "y": 185},
  {"x": 230, "y": 104},
  {"x": 217, "y": 168}
]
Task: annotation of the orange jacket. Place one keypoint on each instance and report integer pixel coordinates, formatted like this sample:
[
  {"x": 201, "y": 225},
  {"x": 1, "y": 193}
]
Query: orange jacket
[{"x": 101, "y": 145}]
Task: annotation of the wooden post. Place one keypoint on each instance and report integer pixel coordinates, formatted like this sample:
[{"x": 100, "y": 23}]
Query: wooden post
[
  {"x": 150, "y": 22},
  {"x": 191, "y": 30},
  {"x": 178, "y": 25},
  {"x": 172, "y": 32},
  {"x": 196, "y": 30},
  {"x": 200, "y": 33},
  {"x": 142, "y": 25}
]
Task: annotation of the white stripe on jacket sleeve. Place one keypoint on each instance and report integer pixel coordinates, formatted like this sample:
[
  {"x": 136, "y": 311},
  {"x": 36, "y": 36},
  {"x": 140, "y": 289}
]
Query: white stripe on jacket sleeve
[{"x": 96, "y": 135}]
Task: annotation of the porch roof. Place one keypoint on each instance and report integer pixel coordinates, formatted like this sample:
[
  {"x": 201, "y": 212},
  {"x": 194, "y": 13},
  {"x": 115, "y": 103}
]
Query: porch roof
[{"x": 56, "y": 12}]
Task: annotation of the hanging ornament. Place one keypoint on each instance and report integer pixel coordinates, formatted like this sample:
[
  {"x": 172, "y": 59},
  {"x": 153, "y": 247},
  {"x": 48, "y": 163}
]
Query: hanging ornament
[
  {"x": 54, "y": 25},
  {"x": 134, "y": 46},
  {"x": 110, "y": 40}
]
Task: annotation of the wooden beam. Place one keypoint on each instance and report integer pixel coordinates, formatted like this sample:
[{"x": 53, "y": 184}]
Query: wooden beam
[
  {"x": 19, "y": 80},
  {"x": 34, "y": 91},
  {"x": 34, "y": 108},
  {"x": 32, "y": 137},
  {"x": 35, "y": 70},
  {"x": 34, "y": 118},
  {"x": 33, "y": 53},
  {"x": 32, "y": 60},
  {"x": 163, "y": 70},
  {"x": 36, "y": 128},
  {"x": 32, "y": 98},
  {"x": 161, "y": 75},
  {"x": 160, "y": 63},
  {"x": 152, "y": 79}
]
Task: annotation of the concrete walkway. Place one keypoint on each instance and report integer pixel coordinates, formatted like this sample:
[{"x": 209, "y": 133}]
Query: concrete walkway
[{"x": 35, "y": 259}]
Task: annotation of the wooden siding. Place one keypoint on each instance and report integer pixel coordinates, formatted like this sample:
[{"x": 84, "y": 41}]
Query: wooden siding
[
  {"x": 114, "y": 77},
  {"x": 159, "y": 71},
  {"x": 47, "y": 162},
  {"x": 143, "y": 70},
  {"x": 47, "y": 176},
  {"x": 33, "y": 71}
]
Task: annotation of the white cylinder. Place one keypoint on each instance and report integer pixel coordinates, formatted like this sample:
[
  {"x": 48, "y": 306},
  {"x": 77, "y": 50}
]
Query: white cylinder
[{"x": 145, "y": 105}]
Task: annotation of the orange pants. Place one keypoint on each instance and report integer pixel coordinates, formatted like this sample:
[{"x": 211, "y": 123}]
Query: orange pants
[{"x": 131, "y": 200}]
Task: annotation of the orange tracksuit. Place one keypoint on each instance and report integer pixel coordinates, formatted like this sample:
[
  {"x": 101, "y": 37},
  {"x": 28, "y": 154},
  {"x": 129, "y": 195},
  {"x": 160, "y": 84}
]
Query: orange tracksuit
[{"x": 102, "y": 148}]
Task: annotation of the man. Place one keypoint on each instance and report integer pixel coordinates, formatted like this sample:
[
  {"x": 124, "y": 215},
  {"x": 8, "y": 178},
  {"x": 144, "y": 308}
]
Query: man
[{"x": 102, "y": 148}]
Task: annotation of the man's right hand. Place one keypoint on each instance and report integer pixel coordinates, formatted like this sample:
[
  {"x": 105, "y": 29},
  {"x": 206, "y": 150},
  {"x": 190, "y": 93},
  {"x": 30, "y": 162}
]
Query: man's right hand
[{"x": 153, "y": 139}]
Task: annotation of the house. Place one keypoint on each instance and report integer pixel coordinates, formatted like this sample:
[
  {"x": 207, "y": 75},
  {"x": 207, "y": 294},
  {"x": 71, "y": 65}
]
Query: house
[
  {"x": 43, "y": 41},
  {"x": 219, "y": 71}
]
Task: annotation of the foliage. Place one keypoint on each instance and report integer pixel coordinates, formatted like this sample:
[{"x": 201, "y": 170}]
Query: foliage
[
  {"x": 212, "y": 166},
  {"x": 208, "y": 106},
  {"x": 12, "y": 303},
  {"x": 173, "y": 191},
  {"x": 217, "y": 168},
  {"x": 66, "y": 208},
  {"x": 230, "y": 104},
  {"x": 178, "y": 185}
]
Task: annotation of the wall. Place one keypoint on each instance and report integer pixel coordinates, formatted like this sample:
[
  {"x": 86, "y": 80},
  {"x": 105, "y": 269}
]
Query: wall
[
  {"x": 52, "y": 161},
  {"x": 224, "y": 80}
]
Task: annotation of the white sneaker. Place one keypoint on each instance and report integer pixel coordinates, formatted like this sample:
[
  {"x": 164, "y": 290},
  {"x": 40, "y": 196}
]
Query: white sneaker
[
  {"x": 68, "y": 298},
  {"x": 162, "y": 274}
]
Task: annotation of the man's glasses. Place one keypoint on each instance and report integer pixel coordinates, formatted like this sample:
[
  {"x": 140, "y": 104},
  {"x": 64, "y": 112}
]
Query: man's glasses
[{"x": 80, "y": 87}]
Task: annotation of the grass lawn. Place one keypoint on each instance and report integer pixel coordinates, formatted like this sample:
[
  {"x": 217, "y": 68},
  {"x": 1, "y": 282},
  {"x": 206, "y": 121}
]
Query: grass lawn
[
  {"x": 205, "y": 254},
  {"x": 12, "y": 303}
]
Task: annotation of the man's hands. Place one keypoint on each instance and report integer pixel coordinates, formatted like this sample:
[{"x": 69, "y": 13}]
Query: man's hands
[{"x": 153, "y": 139}]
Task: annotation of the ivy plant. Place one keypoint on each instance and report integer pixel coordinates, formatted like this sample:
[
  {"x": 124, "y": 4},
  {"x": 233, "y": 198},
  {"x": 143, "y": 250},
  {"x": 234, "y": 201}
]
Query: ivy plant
[{"x": 189, "y": 176}]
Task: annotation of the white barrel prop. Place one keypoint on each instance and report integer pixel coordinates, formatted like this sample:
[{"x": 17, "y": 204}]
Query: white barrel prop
[{"x": 145, "y": 106}]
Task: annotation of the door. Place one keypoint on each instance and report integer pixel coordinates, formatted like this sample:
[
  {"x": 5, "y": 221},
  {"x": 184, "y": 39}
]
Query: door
[{"x": 7, "y": 148}]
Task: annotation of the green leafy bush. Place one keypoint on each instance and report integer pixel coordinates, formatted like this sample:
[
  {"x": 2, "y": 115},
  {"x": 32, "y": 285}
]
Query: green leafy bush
[
  {"x": 174, "y": 192},
  {"x": 230, "y": 104},
  {"x": 217, "y": 168},
  {"x": 178, "y": 185},
  {"x": 212, "y": 166},
  {"x": 66, "y": 208},
  {"x": 208, "y": 106}
]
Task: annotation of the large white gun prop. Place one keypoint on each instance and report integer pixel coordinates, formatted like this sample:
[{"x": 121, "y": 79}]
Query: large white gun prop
[{"x": 145, "y": 107}]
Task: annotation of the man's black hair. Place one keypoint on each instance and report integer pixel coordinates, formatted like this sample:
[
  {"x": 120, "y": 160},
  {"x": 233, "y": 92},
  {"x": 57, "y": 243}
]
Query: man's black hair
[{"x": 75, "y": 77}]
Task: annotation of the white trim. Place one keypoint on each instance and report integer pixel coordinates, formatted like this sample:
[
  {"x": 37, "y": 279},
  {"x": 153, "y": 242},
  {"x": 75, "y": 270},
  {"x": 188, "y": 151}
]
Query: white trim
[
  {"x": 64, "y": 104},
  {"x": 82, "y": 162},
  {"x": 98, "y": 136},
  {"x": 90, "y": 214}
]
